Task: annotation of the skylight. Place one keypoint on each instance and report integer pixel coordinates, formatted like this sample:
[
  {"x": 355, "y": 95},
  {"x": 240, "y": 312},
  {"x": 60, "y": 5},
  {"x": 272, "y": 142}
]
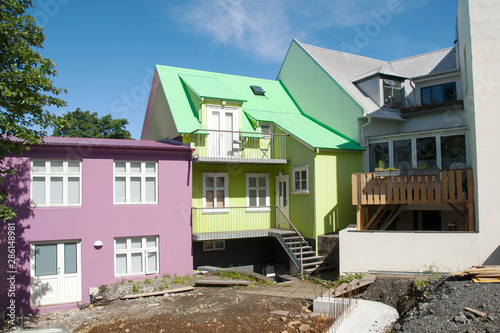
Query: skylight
[{"x": 258, "y": 90}]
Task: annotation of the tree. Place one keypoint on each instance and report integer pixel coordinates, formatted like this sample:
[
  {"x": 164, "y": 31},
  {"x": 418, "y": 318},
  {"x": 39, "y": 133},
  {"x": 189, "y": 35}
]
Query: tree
[
  {"x": 83, "y": 124},
  {"x": 26, "y": 88}
]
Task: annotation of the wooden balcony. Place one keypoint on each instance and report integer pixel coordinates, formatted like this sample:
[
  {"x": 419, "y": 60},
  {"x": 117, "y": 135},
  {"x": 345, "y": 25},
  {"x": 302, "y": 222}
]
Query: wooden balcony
[
  {"x": 394, "y": 190},
  {"x": 220, "y": 146}
]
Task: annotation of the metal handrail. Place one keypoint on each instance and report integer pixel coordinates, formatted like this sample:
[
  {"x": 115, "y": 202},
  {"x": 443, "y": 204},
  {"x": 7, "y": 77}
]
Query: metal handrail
[{"x": 240, "y": 132}]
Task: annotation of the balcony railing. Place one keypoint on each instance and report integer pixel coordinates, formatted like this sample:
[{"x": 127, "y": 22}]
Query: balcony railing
[
  {"x": 445, "y": 186},
  {"x": 239, "y": 147},
  {"x": 422, "y": 109}
]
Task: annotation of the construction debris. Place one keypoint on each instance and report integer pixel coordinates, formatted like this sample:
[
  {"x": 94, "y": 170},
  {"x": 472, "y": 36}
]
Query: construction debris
[
  {"x": 221, "y": 283},
  {"x": 484, "y": 273},
  {"x": 476, "y": 312},
  {"x": 157, "y": 293}
]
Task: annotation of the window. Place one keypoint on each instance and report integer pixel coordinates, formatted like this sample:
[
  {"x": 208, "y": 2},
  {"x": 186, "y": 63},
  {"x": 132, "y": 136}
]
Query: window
[
  {"x": 257, "y": 191},
  {"x": 136, "y": 182},
  {"x": 393, "y": 93},
  {"x": 426, "y": 152},
  {"x": 300, "y": 179},
  {"x": 216, "y": 245},
  {"x": 136, "y": 256},
  {"x": 453, "y": 151},
  {"x": 379, "y": 155},
  {"x": 266, "y": 129},
  {"x": 56, "y": 183},
  {"x": 215, "y": 191},
  {"x": 438, "y": 94},
  {"x": 402, "y": 154}
]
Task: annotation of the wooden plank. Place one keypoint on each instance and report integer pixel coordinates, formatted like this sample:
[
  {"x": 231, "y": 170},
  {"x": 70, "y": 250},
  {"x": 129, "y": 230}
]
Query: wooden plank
[
  {"x": 392, "y": 218},
  {"x": 410, "y": 192},
  {"x": 378, "y": 214},
  {"x": 476, "y": 312},
  {"x": 416, "y": 189},
  {"x": 396, "y": 189},
  {"x": 376, "y": 190},
  {"x": 369, "y": 187},
  {"x": 486, "y": 280},
  {"x": 390, "y": 199},
  {"x": 383, "y": 186},
  {"x": 470, "y": 219},
  {"x": 452, "y": 187},
  {"x": 358, "y": 217},
  {"x": 423, "y": 189},
  {"x": 461, "y": 186},
  {"x": 470, "y": 193},
  {"x": 157, "y": 293},
  {"x": 445, "y": 186},
  {"x": 430, "y": 188},
  {"x": 221, "y": 283},
  {"x": 437, "y": 189},
  {"x": 404, "y": 189},
  {"x": 363, "y": 189},
  {"x": 355, "y": 188}
]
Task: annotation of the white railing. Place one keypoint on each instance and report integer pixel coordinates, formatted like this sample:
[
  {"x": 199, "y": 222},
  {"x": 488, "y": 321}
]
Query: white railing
[{"x": 235, "y": 145}]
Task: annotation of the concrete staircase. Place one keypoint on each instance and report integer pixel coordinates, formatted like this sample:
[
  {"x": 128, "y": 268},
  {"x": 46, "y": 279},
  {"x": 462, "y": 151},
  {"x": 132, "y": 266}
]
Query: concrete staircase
[{"x": 310, "y": 261}]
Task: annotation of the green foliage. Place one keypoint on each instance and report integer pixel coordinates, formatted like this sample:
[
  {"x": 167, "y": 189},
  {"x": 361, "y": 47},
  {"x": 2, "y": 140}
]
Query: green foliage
[
  {"x": 233, "y": 275},
  {"x": 421, "y": 283},
  {"x": 26, "y": 88},
  {"x": 346, "y": 279},
  {"x": 84, "y": 124},
  {"x": 147, "y": 282},
  {"x": 136, "y": 287}
]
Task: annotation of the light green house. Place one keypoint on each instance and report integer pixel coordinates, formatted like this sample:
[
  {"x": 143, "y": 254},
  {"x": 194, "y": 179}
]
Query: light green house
[{"x": 267, "y": 179}]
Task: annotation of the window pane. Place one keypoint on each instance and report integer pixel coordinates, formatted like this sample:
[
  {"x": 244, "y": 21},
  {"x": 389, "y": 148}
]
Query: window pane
[
  {"x": 136, "y": 243},
  {"x": 73, "y": 190},
  {"x": 210, "y": 182},
  {"x": 38, "y": 166},
  {"x": 120, "y": 192},
  {"x": 379, "y": 155},
  {"x": 73, "y": 166},
  {"x": 150, "y": 167},
  {"x": 135, "y": 189},
  {"x": 136, "y": 263},
  {"x": 38, "y": 194},
  {"x": 453, "y": 151},
  {"x": 426, "y": 96},
  {"x": 220, "y": 198},
  {"x": 437, "y": 96},
  {"x": 304, "y": 185},
  {"x": 121, "y": 264},
  {"x": 262, "y": 197},
  {"x": 297, "y": 180},
  {"x": 402, "y": 154},
  {"x": 120, "y": 167},
  {"x": 151, "y": 242},
  {"x": 252, "y": 196},
  {"x": 426, "y": 152},
  {"x": 56, "y": 166},
  {"x": 45, "y": 259},
  {"x": 262, "y": 182},
  {"x": 70, "y": 258},
  {"x": 252, "y": 182},
  {"x": 150, "y": 189},
  {"x": 135, "y": 167},
  {"x": 219, "y": 244},
  {"x": 220, "y": 182},
  {"x": 210, "y": 198},
  {"x": 56, "y": 190},
  {"x": 151, "y": 262},
  {"x": 121, "y": 244}
]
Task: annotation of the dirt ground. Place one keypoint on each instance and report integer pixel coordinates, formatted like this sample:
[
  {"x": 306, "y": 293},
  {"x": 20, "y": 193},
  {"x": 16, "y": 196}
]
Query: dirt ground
[{"x": 204, "y": 309}]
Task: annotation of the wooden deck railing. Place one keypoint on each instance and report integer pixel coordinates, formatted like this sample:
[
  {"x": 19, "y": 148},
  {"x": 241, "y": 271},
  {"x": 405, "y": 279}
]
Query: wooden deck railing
[{"x": 446, "y": 186}]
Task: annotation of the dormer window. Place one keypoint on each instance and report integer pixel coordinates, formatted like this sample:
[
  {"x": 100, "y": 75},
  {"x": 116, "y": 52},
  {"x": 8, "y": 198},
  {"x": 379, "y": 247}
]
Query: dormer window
[
  {"x": 257, "y": 90},
  {"x": 393, "y": 93}
]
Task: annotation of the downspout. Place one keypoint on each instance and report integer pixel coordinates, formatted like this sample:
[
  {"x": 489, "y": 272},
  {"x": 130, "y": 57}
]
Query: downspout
[{"x": 363, "y": 144}]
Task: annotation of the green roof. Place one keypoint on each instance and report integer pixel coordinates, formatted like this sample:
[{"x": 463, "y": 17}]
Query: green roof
[{"x": 275, "y": 106}]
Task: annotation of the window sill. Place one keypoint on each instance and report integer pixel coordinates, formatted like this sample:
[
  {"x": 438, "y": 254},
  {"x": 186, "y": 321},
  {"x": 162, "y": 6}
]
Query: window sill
[
  {"x": 55, "y": 206},
  {"x": 300, "y": 193},
  {"x": 134, "y": 203},
  {"x": 215, "y": 211}
]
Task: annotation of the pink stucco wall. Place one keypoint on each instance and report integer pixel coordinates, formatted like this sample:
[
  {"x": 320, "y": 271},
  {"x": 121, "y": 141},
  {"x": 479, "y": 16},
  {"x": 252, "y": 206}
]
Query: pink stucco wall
[{"x": 99, "y": 219}]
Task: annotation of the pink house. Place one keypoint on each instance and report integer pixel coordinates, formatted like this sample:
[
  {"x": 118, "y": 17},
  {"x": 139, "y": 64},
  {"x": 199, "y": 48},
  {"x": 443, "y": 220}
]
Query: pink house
[{"x": 93, "y": 212}]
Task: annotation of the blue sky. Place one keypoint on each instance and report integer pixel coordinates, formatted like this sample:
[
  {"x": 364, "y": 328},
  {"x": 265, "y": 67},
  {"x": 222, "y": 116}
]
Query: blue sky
[{"x": 106, "y": 51}]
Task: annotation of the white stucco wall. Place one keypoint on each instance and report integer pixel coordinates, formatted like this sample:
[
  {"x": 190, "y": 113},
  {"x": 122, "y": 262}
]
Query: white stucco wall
[
  {"x": 406, "y": 251},
  {"x": 481, "y": 68}
]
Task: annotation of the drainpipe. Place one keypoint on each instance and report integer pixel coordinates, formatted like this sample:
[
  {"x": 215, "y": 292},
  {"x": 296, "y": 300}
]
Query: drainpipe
[{"x": 363, "y": 132}]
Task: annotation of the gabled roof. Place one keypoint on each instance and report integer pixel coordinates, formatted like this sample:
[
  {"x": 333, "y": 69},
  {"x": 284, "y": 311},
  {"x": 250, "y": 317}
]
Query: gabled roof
[
  {"x": 346, "y": 68},
  {"x": 276, "y": 106}
]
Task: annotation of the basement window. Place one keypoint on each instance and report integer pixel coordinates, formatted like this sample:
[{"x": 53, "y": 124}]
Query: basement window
[
  {"x": 217, "y": 245},
  {"x": 258, "y": 90}
]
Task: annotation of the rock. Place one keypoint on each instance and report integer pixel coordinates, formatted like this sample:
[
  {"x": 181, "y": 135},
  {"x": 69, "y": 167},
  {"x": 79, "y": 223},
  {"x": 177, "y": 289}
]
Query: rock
[
  {"x": 489, "y": 328},
  {"x": 304, "y": 328},
  {"x": 306, "y": 310},
  {"x": 283, "y": 319},
  {"x": 397, "y": 326},
  {"x": 293, "y": 323},
  {"x": 459, "y": 319}
]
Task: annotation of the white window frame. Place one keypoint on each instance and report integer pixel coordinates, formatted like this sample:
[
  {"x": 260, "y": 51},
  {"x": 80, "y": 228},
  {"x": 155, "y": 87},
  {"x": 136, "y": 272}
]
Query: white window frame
[
  {"x": 215, "y": 210},
  {"x": 64, "y": 174},
  {"x": 265, "y": 208},
  {"x": 300, "y": 169},
  {"x": 142, "y": 175},
  {"x": 268, "y": 134},
  {"x": 211, "y": 245},
  {"x": 437, "y": 136},
  {"x": 144, "y": 250}
]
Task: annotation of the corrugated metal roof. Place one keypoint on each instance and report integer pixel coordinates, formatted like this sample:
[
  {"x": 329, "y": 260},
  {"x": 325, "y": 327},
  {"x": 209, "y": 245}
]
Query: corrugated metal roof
[
  {"x": 347, "y": 68},
  {"x": 111, "y": 143},
  {"x": 275, "y": 106}
]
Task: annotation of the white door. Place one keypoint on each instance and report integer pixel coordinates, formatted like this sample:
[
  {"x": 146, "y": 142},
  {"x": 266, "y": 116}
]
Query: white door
[
  {"x": 282, "y": 201},
  {"x": 220, "y": 142},
  {"x": 55, "y": 273}
]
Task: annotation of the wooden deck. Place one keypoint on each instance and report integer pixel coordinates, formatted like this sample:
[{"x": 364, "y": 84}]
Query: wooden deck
[{"x": 390, "y": 191}]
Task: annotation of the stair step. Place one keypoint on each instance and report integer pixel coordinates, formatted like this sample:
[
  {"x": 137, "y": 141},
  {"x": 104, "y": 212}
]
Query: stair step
[
  {"x": 309, "y": 270},
  {"x": 312, "y": 264},
  {"x": 317, "y": 258},
  {"x": 304, "y": 254},
  {"x": 297, "y": 248},
  {"x": 291, "y": 237},
  {"x": 295, "y": 243}
]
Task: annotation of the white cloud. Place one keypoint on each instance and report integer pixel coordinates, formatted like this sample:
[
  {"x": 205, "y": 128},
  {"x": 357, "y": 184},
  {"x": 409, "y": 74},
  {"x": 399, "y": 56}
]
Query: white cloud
[{"x": 265, "y": 28}]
